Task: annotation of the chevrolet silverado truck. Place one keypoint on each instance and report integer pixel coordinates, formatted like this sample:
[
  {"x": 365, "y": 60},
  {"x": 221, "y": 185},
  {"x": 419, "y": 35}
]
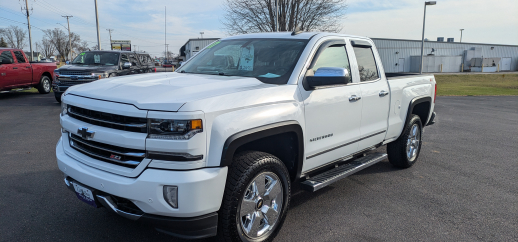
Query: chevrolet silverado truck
[
  {"x": 214, "y": 148},
  {"x": 17, "y": 72},
  {"x": 90, "y": 66}
]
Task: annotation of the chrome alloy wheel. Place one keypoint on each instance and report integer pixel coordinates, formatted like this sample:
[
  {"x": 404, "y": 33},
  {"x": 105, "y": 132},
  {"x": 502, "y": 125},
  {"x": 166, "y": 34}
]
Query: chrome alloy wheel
[
  {"x": 412, "y": 144},
  {"x": 261, "y": 205},
  {"x": 46, "y": 85}
]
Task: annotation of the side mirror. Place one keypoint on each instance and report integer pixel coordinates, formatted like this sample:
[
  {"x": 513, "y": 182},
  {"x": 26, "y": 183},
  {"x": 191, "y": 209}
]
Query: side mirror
[
  {"x": 126, "y": 65},
  {"x": 6, "y": 61},
  {"x": 328, "y": 76}
]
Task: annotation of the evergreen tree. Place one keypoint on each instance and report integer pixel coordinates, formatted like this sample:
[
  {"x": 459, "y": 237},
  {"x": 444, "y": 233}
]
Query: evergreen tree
[{"x": 2, "y": 42}]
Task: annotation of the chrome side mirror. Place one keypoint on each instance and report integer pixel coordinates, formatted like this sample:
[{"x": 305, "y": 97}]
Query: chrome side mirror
[
  {"x": 328, "y": 76},
  {"x": 126, "y": 65}
]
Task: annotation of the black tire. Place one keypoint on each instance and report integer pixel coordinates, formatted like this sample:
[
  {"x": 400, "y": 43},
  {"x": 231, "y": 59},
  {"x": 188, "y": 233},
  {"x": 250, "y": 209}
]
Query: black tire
[
  {"x": 397, "y": 150},
  {"x": 45, "y": 85},
  {"x": 57, "y": 95},
  {"x": 246, "y": 167}
]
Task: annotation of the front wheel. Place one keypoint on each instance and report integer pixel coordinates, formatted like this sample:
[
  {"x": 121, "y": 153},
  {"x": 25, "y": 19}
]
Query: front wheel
[
  {"x": 44, "y": 86},
  {"x": 404, "y": 151},
  {"x": 256, "y": 199}
]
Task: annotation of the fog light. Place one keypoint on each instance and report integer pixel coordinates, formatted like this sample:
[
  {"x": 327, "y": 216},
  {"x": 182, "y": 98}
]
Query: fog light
[{"x": 171, "y": 195}]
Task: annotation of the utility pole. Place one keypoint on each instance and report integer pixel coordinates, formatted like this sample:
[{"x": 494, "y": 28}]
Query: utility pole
[
  {"x": 110, "y": 31},
  {"x": 167, "y": 51},
  {"x": 461, "y": 35},
  {"x": 29, "y": 26},
  {"x": 422, "y": 40},
  {"x": 276, "y": 16},
  {"x": 135, "y": 47},
  {"x": 69, "y": 40},
  {"x": 165, "y": 31},
  {"x": 97, "y": 23}
]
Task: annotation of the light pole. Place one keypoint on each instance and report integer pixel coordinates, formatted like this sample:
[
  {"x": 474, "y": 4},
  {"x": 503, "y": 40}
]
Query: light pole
[
  {"x": 461, "y": 35},
  {"x": 97, "y": 23},
  {"x": 422, "y": 39}
]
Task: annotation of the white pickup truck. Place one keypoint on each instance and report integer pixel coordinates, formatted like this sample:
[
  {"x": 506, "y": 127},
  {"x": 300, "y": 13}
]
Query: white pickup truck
[{"x": 215, "y": 147}]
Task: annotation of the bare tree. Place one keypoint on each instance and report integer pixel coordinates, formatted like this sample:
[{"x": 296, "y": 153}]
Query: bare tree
[
  {"x": 83, "y": 46},
  {"x": 252, "y": 16},
  {"x": 46, "y": 47},
  {"x": 59, "y": 39},
  {"x": 15, "y": 36}
]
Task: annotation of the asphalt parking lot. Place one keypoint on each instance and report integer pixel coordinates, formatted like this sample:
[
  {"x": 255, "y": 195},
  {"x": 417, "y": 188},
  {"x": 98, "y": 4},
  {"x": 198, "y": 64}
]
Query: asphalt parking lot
[{"x": 463, "y": 188}]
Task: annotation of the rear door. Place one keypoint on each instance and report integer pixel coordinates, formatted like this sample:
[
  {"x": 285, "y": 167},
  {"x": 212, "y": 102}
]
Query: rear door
[
  {"x": 23, "y": 69},
  {"x": 124, "y": 59},
  {"x": 7, "y": 74},
  {"x": 332, "y": 119},
  {"x": 374, "y": 93},
  {"x": 135, "y": 64}
]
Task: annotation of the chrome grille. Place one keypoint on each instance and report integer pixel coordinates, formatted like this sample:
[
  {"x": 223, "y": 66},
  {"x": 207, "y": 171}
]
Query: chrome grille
[
  {"x": 108, "y": 120},
  {"x": 75, "y": 73},
  {"x": 109, "y": 153},
  {"x": 71, "y": 83}
]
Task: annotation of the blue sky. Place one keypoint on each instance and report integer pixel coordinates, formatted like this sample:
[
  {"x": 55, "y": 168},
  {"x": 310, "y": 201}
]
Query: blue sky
[{"x": 142, "y": 21}]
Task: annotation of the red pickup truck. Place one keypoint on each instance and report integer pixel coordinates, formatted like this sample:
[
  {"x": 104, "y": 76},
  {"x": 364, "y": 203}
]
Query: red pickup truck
[{"x": 17, "y": 72}]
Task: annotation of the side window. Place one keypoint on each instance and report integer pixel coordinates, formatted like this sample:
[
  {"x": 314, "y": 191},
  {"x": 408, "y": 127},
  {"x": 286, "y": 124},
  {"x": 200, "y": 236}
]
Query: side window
[
  {"x": 366, "y": 64},
  {"x": 133, "y": 60},
  {"x": 19, "y": 56},
  {"x": 6, "y": 55},
  {"x": 333, "y": 56},
  {"x": 124, "y": 59}
]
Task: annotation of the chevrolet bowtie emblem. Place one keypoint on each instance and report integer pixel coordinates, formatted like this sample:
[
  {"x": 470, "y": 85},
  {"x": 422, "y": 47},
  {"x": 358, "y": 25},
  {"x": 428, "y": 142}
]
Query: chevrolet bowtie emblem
[{"x": 85, "y": 133}]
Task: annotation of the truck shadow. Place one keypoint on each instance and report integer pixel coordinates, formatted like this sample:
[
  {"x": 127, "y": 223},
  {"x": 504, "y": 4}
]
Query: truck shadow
[{"x": 27, "y": 99}]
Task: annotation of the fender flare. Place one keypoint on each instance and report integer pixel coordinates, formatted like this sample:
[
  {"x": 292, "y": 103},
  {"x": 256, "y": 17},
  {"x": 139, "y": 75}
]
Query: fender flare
[
  {"x": 236, "y": 140},
  {"x": 413, "y": 103}
]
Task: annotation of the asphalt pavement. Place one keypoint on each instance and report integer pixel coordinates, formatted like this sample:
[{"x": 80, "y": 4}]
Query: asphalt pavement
[{"x": 463, "y": 187}]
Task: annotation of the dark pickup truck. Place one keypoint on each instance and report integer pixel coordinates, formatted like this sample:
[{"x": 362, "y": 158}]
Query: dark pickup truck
[
  {"x": 17, "y": 72},
  {"x": 94, "y": 65}
]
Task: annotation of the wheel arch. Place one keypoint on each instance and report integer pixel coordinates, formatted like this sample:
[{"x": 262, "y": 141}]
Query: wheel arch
[
  {"x": 47, "y": 74},
  {"x": 420, "y": 106},
  {"x": 283, "y": 139}
]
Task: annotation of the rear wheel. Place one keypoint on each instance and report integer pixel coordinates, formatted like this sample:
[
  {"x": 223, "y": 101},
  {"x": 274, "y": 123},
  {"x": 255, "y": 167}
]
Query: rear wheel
[
  {"x": 404, "y": 151},
  {"x": 256, "y": 199},
  {"x": 44, "y": 86}
]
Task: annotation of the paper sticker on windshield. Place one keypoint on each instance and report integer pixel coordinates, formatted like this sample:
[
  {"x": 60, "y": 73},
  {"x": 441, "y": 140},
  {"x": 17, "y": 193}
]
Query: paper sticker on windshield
[
  {"x": 97, "y": 58},
  {"x": 213, "y": 44},
  {"x": 246, "y": 62},
  {"x": 82, "y": 53}
]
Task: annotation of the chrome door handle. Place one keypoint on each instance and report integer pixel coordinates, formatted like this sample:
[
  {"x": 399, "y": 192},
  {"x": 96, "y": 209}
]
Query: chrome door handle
[
  {"x": 354, "y": 98},
  {"x": 383, "y": 93}
]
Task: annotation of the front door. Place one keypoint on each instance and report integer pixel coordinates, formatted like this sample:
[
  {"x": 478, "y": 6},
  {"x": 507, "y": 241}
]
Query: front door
[
  {"x": 375, "y": 94},
  {"x": 332, "y": 120},
  {"x": 7, "y": 74},
  {"x": 506, "y": 64},
  {"x": 401, "y": 65}
]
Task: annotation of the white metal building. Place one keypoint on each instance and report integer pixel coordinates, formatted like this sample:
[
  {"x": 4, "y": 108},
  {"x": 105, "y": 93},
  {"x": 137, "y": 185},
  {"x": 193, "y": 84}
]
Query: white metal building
[
  {"x": 193, "y": 46},
  {"x": 399, "y": 55}
]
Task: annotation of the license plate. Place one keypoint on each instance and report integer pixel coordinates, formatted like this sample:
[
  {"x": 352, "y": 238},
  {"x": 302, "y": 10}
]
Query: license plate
[{"x": 84, "y": 194}]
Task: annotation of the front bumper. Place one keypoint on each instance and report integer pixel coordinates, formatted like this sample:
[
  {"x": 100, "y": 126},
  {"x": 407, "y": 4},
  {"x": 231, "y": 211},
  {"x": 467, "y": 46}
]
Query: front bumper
[{"x": 200, "y": 193}]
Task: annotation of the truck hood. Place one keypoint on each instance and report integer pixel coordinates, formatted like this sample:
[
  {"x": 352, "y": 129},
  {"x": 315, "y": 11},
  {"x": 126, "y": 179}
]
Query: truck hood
[
  {"x": 164, "y": 91},
  {"x": 92, "y": 68}
]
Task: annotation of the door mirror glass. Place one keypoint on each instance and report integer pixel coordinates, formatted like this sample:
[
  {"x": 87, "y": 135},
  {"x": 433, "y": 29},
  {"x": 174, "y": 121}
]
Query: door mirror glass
[
  {"x": 126, "y": 65},
  {"x": 328, "y": 76}
]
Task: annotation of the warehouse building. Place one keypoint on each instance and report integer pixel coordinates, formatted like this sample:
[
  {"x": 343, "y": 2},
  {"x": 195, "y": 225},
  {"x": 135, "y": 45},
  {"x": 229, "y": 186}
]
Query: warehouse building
[
  {"x": 400, "y": 55},
  {"x": 193, "y": 46}
]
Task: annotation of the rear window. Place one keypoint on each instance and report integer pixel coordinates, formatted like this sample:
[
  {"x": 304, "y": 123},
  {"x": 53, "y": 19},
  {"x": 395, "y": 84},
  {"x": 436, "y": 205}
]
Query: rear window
[
  {"x": 366, "y": 64},
  {"x": 19, "y": 56}
]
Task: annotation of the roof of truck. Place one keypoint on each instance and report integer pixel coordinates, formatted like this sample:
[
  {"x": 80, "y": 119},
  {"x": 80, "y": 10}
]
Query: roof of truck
[{"x": 287, "y": 35}]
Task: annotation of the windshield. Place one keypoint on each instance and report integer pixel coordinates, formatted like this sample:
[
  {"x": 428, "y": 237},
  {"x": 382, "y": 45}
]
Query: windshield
[
  {"x": 269, "y": 60},
  {"x": 97, "y": 58}
]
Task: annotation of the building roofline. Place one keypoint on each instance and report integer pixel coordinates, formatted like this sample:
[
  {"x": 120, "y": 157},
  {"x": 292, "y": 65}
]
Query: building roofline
[{"x": 445, "y": 42}]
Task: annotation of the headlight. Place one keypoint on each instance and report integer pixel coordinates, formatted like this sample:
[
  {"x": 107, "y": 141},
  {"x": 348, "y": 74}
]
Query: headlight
[
  {"x": 99, "y": 75},
  {"x": 63, "y": 109},
  {"x": 173, "y": 129}
]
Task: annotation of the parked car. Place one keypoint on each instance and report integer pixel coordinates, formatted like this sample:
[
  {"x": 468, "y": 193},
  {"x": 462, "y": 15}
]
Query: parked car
[
  {"x": 94, "y": 65},
  {"x": 17, "y": 72},
  {"x": 215, "y": 147},
  {"x": 167, "y": 64}
]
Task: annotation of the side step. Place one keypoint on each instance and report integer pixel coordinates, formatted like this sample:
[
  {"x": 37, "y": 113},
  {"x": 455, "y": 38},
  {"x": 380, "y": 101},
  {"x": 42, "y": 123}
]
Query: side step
[{"x": 326, "y": 178}]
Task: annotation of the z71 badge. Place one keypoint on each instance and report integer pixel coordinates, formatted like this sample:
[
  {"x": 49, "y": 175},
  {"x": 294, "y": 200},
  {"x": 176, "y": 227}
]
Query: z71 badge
[{"x": 321, "y": 137}]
